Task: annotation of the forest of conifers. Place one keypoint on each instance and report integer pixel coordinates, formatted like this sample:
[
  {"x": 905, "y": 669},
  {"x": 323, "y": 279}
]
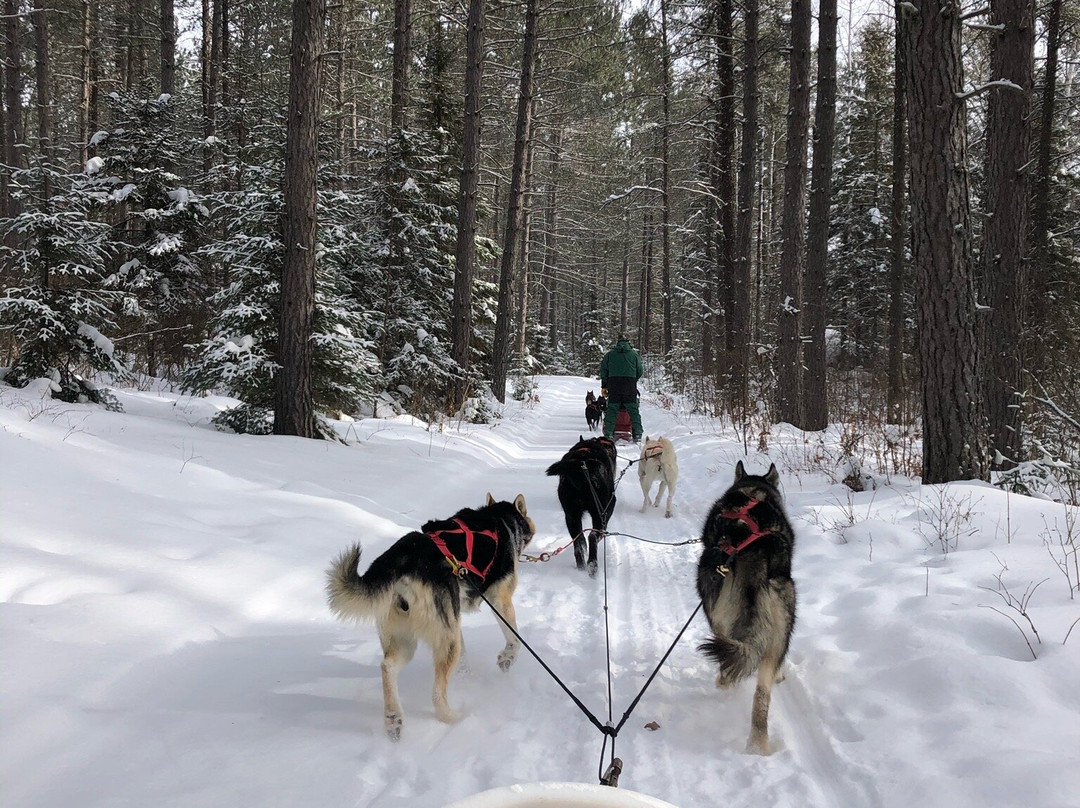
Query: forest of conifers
[{"x": 865, "y": 215}]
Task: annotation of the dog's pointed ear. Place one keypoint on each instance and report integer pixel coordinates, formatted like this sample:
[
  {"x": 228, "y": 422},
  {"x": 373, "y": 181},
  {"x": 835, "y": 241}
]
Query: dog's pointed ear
[
  {"x": 740, "y": 471},
  {"x": 580, "y": 438},
  {"x": 519, "y": 503},
  {"x": 647, "y": 438},
  {"x": 490, "y": 499},
  {"x": 773, "y": 476}
]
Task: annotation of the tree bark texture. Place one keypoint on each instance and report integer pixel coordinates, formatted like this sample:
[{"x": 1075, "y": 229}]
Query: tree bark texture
[
  {"x": 294, "y": 412},
  {"x": 44, "y": 110},
  {"x": 741, "y": 302},
  {"x": 1005, "y": 253},
  {"x": 461, "y": 313},
  {"x": 1039, "y": 296},
  {"x": 665, "y": 166},
  {"x": 725, "y": 252},
  {"x": 953, "y": 443},
  {"x": 522, "y": 308},
  {"x": 13, "y": 134},
  {"x": 788, "y": 365},
  {"x": 399, "y": 96},
  {"x": 897, "y": 226},
  {"x": 815, "y": 403},
  {"x": 549, "y": 303},
  {"x": 500, "y": 359},
  {"x": 168, "y": 47}
]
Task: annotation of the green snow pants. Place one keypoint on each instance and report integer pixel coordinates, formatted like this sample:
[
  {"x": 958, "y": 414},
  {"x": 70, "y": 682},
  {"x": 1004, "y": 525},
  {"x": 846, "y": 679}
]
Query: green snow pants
[{"x": 613, "y": 412}]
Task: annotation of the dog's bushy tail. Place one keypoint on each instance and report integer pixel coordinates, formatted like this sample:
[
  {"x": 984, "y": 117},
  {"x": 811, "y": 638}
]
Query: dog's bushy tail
[
  {"x": 562, "y": 467},
  {"x": 737, "y": 660},
  {"x": 349, "y": 595}
]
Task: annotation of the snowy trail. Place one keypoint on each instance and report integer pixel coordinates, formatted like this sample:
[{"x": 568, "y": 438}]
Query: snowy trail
[{"x": 166, "y": 639}]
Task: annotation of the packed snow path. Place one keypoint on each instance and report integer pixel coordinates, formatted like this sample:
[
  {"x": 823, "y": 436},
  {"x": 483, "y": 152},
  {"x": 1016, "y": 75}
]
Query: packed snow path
[{"x": 166, "y": 640}]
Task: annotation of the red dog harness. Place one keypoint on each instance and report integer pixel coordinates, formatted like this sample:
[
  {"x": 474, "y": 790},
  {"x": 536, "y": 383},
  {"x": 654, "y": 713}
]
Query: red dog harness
[
  {"x": 463, "y": 552},
  {"x": 743, "y": 515}
]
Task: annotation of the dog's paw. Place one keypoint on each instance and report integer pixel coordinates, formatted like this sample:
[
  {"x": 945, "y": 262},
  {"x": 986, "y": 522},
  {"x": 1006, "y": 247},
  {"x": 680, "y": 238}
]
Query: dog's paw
[
  {"x": 448, "y": 716},
  {"x": 592, "y": 569},
  {"x": 758, "y": 746},
  {"x": 393, "y": 726},
  {"x": 507, "y": 657},
  {"x": 667, "y": 514},
  {"x": 723, "y": 683},
  {"x": 644, "y": 507}
]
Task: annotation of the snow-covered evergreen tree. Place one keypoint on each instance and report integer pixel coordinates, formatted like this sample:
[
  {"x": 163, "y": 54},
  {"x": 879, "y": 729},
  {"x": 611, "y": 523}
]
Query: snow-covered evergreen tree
[
  {"x": 58, "y": 304},
  {"x": 158, "y": 221},
  {"x": 238, "y": 358}
]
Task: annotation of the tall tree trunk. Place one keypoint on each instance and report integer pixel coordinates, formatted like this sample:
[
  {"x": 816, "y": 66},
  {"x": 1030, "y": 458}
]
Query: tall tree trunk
[
  {"x": 624, "y": 286},
  {"x": 522, "y": 308},
  {"x": 168, "y": 47},
  {"x": 741, "y": 304},
  {"x": 84, "y": 100},
  {"x": 665, "y": 165},
  {"x": 725, "y": 192},
  {"x": 395, "y": 156},
  {"x": 897, "y": 220},
  {"x": 225, "y": 67},
  {"x": 294, "y": 411},
  {"x": 212, "y": 27},
  {"x": 44, "y": 110},
  {"x": 815, "y": 403},
  {"x": 551, "y": 238},
  {"x": 645, "y": 292},
  {"x": 13, "y": 134},
  {"x": 952, "y": 413},
  {"x": 461, "y": 314},
  {"x": 500, "y": 358},
  {"x": 1039, "y": 292},
  {"x": 1008, "y": 140},
  {"x": 399, "y": 95},
  {"x": 788, "y": 366}
]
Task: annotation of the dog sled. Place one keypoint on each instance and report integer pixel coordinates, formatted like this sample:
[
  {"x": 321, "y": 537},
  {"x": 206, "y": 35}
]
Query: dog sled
[{"x": 623, "y": 428}]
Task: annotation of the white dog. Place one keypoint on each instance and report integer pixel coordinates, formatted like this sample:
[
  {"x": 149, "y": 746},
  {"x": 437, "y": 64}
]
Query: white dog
[{"x": 658, "y": 463}]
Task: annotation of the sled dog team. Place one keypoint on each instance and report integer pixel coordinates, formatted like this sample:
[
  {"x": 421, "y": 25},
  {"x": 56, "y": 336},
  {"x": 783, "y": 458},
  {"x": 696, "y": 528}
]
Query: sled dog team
[{"x": 417, "y": 589}]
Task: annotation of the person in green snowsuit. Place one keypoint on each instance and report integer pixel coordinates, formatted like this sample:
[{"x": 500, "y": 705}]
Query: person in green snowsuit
[{"x": 619, "y": 371}]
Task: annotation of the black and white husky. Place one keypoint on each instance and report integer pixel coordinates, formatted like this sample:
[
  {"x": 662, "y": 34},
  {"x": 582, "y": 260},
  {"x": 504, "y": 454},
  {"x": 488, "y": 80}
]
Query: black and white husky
[
  {"x": 417, "y": 589},
  {"x": 744, "y": 580}
]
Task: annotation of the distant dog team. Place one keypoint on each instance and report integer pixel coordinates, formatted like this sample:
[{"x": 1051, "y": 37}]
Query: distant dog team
[{"x": 417, "y": 589}]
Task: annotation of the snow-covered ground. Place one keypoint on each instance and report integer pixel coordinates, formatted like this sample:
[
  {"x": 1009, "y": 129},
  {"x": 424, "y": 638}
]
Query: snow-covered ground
[{"x": 166, "y": 641}]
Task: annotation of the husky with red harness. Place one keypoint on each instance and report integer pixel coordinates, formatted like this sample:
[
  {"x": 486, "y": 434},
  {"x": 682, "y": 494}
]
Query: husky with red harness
[
  {"x": 417, "y": 589},
  {"x": 744, "y": 580}
]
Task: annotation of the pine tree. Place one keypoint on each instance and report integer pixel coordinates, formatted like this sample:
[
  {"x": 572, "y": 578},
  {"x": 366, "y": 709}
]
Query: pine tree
[{"x": 60, "y": 304}]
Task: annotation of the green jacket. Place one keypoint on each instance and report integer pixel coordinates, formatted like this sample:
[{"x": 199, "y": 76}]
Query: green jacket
[{"x": 621, "y": 361}]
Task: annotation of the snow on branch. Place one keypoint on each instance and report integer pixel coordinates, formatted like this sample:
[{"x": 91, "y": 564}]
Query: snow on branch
[
  {"x": 1005, "y": 84},
  {"x": 982, "y": 26},
  {"x": 629, "y": 191}
]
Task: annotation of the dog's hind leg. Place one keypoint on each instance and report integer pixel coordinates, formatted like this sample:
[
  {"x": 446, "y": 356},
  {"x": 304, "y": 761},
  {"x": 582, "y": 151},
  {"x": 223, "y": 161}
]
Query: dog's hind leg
[
  {"x": 670, "y": 496},
  {"x": 446, "y": 653},
  {"x": 660, "y": 493},
  {"x": 397, "y": 651},
  {"x": 759, "y": 718},
  {"x": 573, "y": 524},
  {"x": 502, "y": 599}
]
